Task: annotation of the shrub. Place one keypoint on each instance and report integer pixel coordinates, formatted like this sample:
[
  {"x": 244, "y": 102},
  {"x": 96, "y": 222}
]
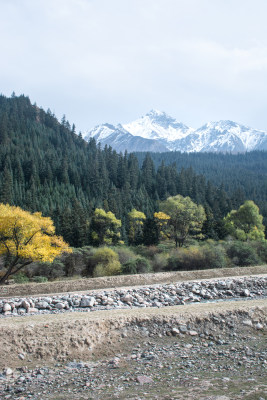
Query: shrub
[
  {"x": 20, "y": 278},
  {"x": 215, "y": 256},
  {"x": 125, "y": 254},
  {"x": 129, "y": 268},
  {"x": 261, "y": 249},
  {"x": 75, "y": 262},
  {"x": 111, "y": 268},
  {"x": 147, "y": 251},
  {"x": 166, "y": 247},
  {"x": 242, "y": 254},
  {"x": 139, "y": 265},
  {"x": 51, "y": 271},
  {"x": 197, "y": 257},
  {"x": 102, "y": 255},
  {"x": 159, "y": 262},
  {"x": 39, "y": 279}
]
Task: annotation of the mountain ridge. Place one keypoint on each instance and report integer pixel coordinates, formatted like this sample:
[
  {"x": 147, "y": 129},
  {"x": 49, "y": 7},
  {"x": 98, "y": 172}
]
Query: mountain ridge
[{"x": 157, "y": 131}]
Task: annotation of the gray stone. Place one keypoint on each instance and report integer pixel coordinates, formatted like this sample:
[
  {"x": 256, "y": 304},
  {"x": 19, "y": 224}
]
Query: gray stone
[
  {"x": 87, "y": 302},
  {"x": 259, "y": 326},
  {"x": 7, "y": 307},
  {"x": 25, "y": 304},
  {"x": 175, "y": 332},
  {"x": 42, "y": 305},
  {"x": 8, "y": 371},
  {"x": 247, "y": 322},
  {"x": 74, "y": 364},
  {"x": 60, "y": 306},
  {"x": 127, "y": 298},
  {"x": 32, "y": 310},
  {"x": 183, "y": 328},
  {"x": 193, "y": 333},
  {"x": 142, "y": 379}
]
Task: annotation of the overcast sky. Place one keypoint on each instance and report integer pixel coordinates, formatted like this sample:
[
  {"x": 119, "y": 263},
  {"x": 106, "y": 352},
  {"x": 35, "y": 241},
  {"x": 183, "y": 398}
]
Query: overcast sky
[{"x": 113, "y": 61}]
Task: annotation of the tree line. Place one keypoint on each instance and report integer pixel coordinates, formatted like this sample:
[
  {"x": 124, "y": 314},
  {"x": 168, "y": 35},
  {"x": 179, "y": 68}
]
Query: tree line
[{"x": 29, "y": 237}]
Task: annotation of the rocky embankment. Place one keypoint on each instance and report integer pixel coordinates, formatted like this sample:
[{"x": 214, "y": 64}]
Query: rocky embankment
[
  {"x": 158, "y": 295},
  {"x": 199, "y": 351}
]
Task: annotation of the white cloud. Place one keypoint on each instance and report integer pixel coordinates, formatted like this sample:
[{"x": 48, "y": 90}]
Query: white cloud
[{"x": 100, "y": 60}]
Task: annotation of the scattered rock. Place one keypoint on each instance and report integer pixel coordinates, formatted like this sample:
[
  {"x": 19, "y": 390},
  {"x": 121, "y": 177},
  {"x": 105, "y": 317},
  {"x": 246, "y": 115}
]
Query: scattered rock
[
  {"x": 259, "y": 326},
  {"x": 8, "y": 371},
  {"x": 247, "y": 322},
  {"x": 175, "y": 332},
  {"x": 142, "y": 379}
]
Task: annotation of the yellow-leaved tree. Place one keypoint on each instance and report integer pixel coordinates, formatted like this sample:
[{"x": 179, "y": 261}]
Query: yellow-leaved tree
[
  {"x": 136, "y": 225},
  {"x": 27, "y": 237}
]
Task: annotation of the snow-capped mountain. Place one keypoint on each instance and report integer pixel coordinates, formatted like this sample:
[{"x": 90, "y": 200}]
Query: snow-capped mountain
[
  {"x": 121, "y": 140},
  {"x": 158, "y": 132},
  {"x": 159, "y": 126}
]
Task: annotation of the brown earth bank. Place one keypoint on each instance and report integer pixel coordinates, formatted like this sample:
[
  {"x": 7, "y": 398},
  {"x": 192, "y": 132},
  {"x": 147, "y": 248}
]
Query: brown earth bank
[
  {"x": 197, "y": 351},
  {"x": 76, "y": 285},
  {"x": 52, "y": 337}
]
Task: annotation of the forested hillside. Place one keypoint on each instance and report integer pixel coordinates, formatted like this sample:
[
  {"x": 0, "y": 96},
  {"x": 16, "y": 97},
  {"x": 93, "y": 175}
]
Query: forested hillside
[
  {"x": 242, "y": 176},
  {"x": 45, "y": 166}
]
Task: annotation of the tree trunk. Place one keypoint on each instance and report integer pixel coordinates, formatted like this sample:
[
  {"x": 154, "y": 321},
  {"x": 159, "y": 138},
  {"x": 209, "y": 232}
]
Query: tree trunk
[
  {"x": 10, "y": 271},
  {"x": 5, "y": 276}
]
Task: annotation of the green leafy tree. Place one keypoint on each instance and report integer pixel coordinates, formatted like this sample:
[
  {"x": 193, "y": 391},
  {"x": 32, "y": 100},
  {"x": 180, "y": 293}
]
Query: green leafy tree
[
  {"x": 105, "y": 228},
  {"x": 186, "y": 218},
  {"x": 245, "y": 223}
]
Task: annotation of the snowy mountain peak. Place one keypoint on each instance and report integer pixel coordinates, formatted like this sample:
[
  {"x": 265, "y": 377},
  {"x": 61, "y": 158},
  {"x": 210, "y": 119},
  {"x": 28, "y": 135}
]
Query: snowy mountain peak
[
  {"x": 158, "y": 125},
  {"x": 157, "y": 131},
  {"x": 156, "y": 113}
]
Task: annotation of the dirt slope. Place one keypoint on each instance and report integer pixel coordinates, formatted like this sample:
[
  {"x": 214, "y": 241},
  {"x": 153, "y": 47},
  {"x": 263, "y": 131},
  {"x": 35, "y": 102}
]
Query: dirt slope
[{"x": 46, "y": 338}]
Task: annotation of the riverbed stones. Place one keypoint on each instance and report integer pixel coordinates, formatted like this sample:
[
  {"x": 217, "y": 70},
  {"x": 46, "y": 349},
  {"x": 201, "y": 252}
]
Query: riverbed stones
[{"x": 159, "y": 295}]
